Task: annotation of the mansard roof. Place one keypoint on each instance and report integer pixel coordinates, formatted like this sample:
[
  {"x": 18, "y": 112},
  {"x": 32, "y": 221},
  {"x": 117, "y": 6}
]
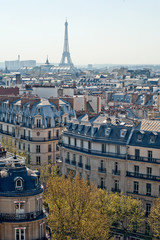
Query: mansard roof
[
  {"x": 144, "y": 133},
  {"x": 13, "y": 169}
]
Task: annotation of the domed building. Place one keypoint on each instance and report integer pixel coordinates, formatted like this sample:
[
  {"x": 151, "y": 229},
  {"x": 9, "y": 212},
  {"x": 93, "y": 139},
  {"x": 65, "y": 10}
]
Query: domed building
[{"x": 21, "y": 214}]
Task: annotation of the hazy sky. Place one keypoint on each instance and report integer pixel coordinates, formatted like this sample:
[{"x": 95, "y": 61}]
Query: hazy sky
[{"x": 100, "y": 31}]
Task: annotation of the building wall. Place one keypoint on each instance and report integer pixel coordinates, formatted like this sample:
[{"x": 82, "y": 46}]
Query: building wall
[
  {"x": 45, "y": 92},
  {"x": 125, "y": 173}
]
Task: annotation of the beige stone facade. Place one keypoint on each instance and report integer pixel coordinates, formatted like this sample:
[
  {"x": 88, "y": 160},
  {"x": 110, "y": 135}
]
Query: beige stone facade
[
  {"x": 114, "y": 157},
  {"x": 21, "y": 213}
]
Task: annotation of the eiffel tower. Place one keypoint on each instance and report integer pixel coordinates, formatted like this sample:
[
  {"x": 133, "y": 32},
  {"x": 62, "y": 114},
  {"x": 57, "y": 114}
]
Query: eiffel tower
[{"x": 66, "y": 58}]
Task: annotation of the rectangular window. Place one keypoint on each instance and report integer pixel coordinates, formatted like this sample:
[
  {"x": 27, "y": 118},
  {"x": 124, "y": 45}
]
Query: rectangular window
[
  {"x": 148, "y": 209},
  {"x": 102, "y": 183},
  {"x": 69, "y": 140},
  {"x": 118, "y": 149},
  {"x": 57, "y": 133},
  {"x": 103, "y": 148},
  {"x": 136, "y": 169},
  {"x": 148, "y": 189},
  {"x": 89, "y": 145},
  {"x": 75, "y": 142},
  {"x": 20, "y": 234},
  {"x": 38, "y": 160},
  {"x": 116, "y": 167},
  {"x": 49, "y": 134},
  {"x": 116, "y": 185},
  {"x": 38, "y": 148},
  {"x": 136, "y": 187},
  {"x": 137, "y": 154},
  {"x": 149, "y": 155},
  {"x": 38, "y": 123},
  {"x": 49, "y": 148},
  {"x": 81, "y": 143},
  {"x": 149, "y": 171},
  {"x": 19, "y": 208}
]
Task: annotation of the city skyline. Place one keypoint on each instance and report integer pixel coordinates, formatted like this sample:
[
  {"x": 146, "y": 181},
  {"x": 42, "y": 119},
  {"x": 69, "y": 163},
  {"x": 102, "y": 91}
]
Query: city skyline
[{"x": 100, "y": 32}]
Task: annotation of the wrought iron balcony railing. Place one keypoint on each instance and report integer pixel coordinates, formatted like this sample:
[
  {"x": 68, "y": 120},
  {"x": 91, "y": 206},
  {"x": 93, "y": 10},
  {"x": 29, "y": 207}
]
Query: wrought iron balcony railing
[
  {"x": 67, "y": 161},
  {"x": 116, "y": 190},
  {"x": 87, "y": 167},
  {"x": 21, "y": 216},
  {"x": 101, "y": 170},
  {"x": 80, "y": 165},
  {"x": 143, "y": 176},
  {"x": 116, "y": 172},
  {"x": 143, "y": 159}
]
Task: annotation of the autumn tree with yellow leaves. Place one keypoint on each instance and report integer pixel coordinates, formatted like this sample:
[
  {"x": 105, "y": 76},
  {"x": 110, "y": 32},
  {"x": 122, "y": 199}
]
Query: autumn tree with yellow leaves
[
  {"x": 154, "y": 218},
  {"x": 81, "y": 211}
]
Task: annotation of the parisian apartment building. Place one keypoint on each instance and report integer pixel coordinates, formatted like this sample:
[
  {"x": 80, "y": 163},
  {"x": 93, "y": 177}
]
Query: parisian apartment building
[
  {"x": 118, "y": 155},
  {"x": 21, "y": 193},
  {"x": 34, "y": 125}
]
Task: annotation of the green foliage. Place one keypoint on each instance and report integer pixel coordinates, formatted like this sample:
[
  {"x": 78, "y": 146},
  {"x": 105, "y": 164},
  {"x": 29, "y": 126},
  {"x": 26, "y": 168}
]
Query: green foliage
[
  {"x": 8, "y": 144},
  {"x": 81, "y": 211},
  {"x": 154, "y": 218},
  {"x": 46, "y": 172}
]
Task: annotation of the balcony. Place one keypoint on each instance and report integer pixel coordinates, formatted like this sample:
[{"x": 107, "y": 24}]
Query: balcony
[
  {"x": 115, "y": 190},
  {"x": 143, "y": 159},
  {"x": 80, "y": 165},
  {"x": 7, "y": 217},
  {"x": 73, "y": 162},
  {"x": 67, "y": 161},
  {"x": 38, "y": 139},
  {"x": 101, "y": 170},
  {"x": 141, "y": 194},
  {"x": 142, "y": 176},
  {"x": 87, "y": 167},
  {"x": 116, "y": 172},
  {"x": 12, "y": 134},
  {"x": 94, "y": 152}
]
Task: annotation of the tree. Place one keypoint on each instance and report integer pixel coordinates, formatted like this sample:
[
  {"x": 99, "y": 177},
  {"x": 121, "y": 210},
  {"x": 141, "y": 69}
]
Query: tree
[
  {"x": 46, "y": 172},
  {"x": 72, "y": 210},
  {"x": 154, "y": 218},
  {"x": 8, "y": 144},
  {"x": 127, "y": 213}
]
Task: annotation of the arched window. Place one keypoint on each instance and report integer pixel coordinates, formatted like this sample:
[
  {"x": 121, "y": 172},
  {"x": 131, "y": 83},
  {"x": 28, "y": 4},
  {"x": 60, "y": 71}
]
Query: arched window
[{"x": 19, "y": 183}]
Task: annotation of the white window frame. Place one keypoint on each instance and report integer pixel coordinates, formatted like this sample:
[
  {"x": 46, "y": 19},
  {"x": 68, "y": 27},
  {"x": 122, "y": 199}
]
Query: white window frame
[{"x": 20, "y": 233}]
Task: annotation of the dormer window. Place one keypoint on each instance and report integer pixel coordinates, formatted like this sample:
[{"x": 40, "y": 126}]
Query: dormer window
[
  {"x": 123, "y": 132},
  {"x": 107, "y": 132},
  {"x": 19, "y": 183},
  {"x": 38, "y": 123},
  {"x": 153, "y": 137},
  {"x": 139, "y": 137}
]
